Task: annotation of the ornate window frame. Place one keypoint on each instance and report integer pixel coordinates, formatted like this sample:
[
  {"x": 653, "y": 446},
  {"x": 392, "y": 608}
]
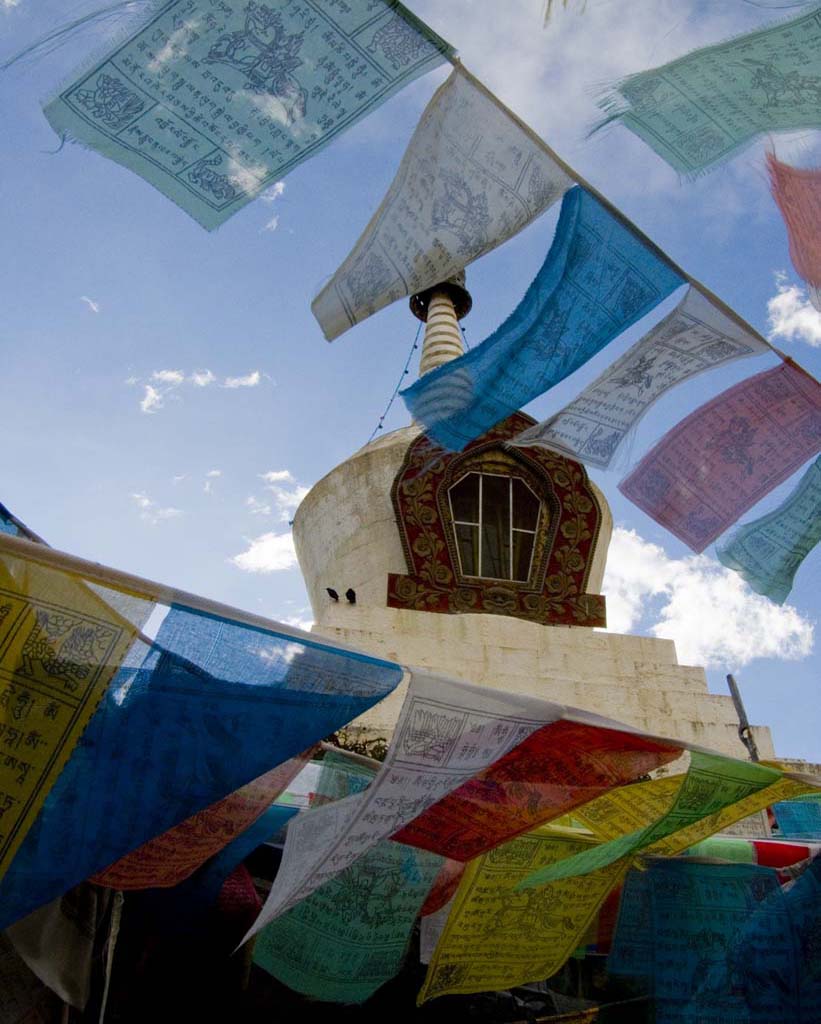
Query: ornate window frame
[{"x": 566, "y": 536}]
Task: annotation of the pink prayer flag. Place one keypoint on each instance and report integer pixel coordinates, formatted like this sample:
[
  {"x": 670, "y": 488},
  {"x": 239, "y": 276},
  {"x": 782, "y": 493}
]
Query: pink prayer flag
[
  {"x": 798, "y": 194},
  {"x": 724, "y": 457}
]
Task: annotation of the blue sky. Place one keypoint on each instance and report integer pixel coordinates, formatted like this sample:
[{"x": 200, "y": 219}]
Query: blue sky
[{"x": 168, "y": 395}]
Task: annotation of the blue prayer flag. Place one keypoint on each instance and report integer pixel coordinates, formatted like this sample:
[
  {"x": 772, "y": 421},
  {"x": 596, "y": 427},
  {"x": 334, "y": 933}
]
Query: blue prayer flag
[
  {"x": 598, "y": 278},
  {"x": 206, "y": 707},
  {"x": 768, "y": 552},
  {"x": 798, "y": 819}
]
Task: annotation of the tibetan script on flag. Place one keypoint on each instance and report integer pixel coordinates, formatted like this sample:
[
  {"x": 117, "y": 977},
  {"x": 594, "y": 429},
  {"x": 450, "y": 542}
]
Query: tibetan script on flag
[
  {"x": 211, "y": 102},
  {"x": 695, "y": 337},
  {"x": 769, "y": 551},
  {"x": 728, "y": 454},
  {"x": 700, "y": 109},
  {"x": 598, "y": 279},
  {"x": 470, "y": 179}
]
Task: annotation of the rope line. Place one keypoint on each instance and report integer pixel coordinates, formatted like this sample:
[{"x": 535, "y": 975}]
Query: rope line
[{"x": 402, "y": 376}]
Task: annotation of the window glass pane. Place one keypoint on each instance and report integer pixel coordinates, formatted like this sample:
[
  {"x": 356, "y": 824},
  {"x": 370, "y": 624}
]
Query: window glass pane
[
  {"x": 496, "y": 527},
  {"x": 464, "y": 499},
  {"x": 525, "y": 506},
  {"x": 467, "y": 537},
  {"x": 522, "y": 551}
]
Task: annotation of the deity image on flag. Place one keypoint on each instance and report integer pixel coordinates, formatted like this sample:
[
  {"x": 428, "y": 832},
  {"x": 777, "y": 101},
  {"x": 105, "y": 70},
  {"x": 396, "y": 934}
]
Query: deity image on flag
[
  {"x": 471, "y": 178},
  {"x": 694, "y": 338},
  {"x": 699, "y": 110},
  {"x": 213, "y": 102},
  {"x": 768, "y": 552},
  {"x": 728, "y": 454},
  {"x": 598, "y": 279}
]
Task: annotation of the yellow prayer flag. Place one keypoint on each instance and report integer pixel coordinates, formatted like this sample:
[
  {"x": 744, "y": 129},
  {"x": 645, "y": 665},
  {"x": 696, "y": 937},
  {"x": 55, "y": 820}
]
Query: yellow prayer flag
[
  {"x": 60, "y": 646},
  {"x": 496, "y": 938}
]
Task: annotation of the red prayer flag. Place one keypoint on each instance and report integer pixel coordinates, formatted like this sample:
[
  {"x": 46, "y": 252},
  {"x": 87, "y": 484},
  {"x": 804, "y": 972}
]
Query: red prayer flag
[
  {"x": 728, "y": 454},
  {"x": 797, "y": 191},
  {"x": 558, "y": 767}
]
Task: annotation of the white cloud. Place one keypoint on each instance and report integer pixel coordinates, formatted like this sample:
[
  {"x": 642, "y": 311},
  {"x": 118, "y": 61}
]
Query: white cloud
[
  {"x": 210, "y": 477},
  {"x": 202, "y": 378},
  {"x": 250, "y": 380},
  {"x": 257, "y": 507},
  {"x": 7, "y": 5},
  {"x": 300, "y": 621},
  {"x": 151, "y": 400},
  {"x": 272, "y": 223},
  {"x": 285, "y": 495},
  {"x": 153, "y": 513},
  {"x": 270, "y": 552},
  {"x": 791, "y": 315},
  {"x": 167, "y": 382},
  {"x": 711, "y": 614},
  {"x": 172, "y": 377},
  {"x": 246, "y": 177},
  {"x": 273, "y": 193},
  {"x": 92, "y": 305}
]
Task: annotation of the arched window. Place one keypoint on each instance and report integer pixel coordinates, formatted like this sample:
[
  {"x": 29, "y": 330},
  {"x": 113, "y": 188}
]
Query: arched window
[{"x": 495, "y": 519}]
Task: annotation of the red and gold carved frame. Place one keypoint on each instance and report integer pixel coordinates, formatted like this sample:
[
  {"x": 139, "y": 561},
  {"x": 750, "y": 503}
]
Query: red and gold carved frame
[{"x": 565, "y": 540}]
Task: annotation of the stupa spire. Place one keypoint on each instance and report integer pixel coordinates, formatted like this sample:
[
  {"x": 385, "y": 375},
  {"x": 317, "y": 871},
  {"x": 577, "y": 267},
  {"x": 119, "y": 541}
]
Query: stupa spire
[{"x": 441, "y": 308}]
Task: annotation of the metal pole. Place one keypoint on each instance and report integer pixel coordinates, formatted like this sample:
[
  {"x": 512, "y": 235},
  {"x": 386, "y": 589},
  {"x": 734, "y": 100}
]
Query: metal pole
[{"x": 745, "y": 732}]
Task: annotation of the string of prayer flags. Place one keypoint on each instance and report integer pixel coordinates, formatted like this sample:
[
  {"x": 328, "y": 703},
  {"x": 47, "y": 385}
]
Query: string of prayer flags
[
  {"x": 728, "y": 454},
  {"x": 12, "y": 526},
  {"x": 769, "y": 551},
  {"x": 471, "y": 178},
  {"x": 174, "y": 724},
  {"x": 170, "y": 858},
  {"x": 447, "y": 731},
  {"x": 694, "y": 338},
  {"x": 712, "y": 785},
  {"x": 799, "y": 819},
  {"x": 212, "y": 103},
  {"x": 557, "y": 768},
  {"x": 598, "y": 279},
  {"x": 768, "y": 853},
  {"x": 496, "y": 937},
  {"x": 350, "y": 936},
  {"x": 797, "y": 191},
  {"x": 697, "y": 111}
]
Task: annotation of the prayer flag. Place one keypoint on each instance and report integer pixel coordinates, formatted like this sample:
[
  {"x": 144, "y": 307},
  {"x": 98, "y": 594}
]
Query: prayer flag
[
  {"x": 496, "y": 937},
  {"x": 471, "y": 178},
  {"x": 558, "y": 767},
  {"x": 171, "y": 857},
  {"x": 797, "y": 191},
  {"x": 694, "y": 338},
  {"x": 350, "y": 936},
  {"x": 799, "y": 819},
  {"x": 728, "y": 454},
  {"x": 599, "y": 277},
  {"x": 699, "y": 110},
  {"x": 146, "y": 732},
  {"x": 213, "y": 102},
  {"x": 769, "y": 551},
  {"x": 712, "y": 785},
  {"x": 447, "y": 732}
]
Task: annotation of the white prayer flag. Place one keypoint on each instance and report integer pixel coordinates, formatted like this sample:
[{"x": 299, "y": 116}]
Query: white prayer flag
[
  {"x": 471, "y": 178},
  {"x": 695, "y": 337}
]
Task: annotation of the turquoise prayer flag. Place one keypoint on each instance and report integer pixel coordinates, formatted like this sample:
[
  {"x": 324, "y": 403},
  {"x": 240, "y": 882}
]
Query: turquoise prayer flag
[
  {"x": 699, "y": 110},
  {"x": 212, "y": 102},
  {"x": 768, "y": 552},
  {"x": 598, "y": 279}
]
